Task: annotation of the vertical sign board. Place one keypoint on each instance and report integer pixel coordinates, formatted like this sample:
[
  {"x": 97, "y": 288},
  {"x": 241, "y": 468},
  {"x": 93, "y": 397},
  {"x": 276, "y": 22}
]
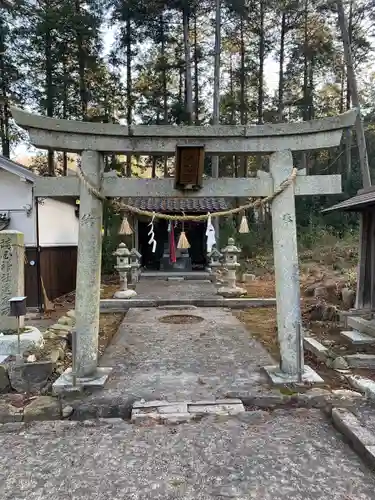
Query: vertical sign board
[{"x": 189, "y": 167}]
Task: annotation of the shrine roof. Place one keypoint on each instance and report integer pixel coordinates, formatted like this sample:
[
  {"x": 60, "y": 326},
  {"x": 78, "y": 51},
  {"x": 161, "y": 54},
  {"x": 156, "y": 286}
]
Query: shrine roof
[
  {"x": 362, "y": 200},
  {"x": 187, "y": 205}
]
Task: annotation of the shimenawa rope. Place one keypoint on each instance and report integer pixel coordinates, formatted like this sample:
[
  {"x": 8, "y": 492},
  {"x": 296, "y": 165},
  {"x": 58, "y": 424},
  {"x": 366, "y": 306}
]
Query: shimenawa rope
[{"x": 252, "y": 204}]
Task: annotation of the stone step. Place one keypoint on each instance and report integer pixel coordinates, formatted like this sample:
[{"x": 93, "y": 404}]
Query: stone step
[
  {"x": 183, "y": 411},
  {"x": 361, "y": 325},
  {"x": 315, "y": 347},
  {"x": 360, "y": 360},
  {"x": 187, "y": 275},
  {"x": 357, "y": 338}
]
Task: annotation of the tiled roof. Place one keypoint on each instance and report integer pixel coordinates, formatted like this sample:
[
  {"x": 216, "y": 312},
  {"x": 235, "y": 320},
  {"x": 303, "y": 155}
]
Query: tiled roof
[
  {"x": 357, "y": 203},
  {"x": 179, "y": 204}
]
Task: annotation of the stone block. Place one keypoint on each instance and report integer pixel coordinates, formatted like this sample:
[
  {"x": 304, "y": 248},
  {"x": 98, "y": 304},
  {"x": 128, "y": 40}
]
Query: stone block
[
  {"x": 357, "y": 338},
  {"x": 316, "y": 348},
  {"x": 363, "y": 384},
  {"x": 30, "y": 377},
  {"x": 54, "y": 355},
  {"x": 216, "y": 409},
  {"x": 362, "y": 440},
  {"x": 71, "y": 314},
  {"x": 42, "y": 408},
  {"x": 30, "y": 339},
  {"x": 226, "y": 291},
  {"x": 125, "y": 294},
  {"x": 4, "y": 379},
  {"x": 65, "y": 320},
  {"x": 65, "y": 382},
  {"x": 49, "y": 335},
  {"x": 346, "y": 394},
  {"x": 248, "y": 278},
  {"x": 150, "y": 404},
  {"x": 362, "y": 325},
  {"x": 348, "y": 298},
  {"x": 173, "y": 408},
  {"x": 139, "y": 417},
  {"x": 9, "y": 413},
  {"x": 58, "y": 329},
  {"x": 339, "y": 363},
  {"x": 279, "y": 378},
  {"x": 12, "y": 281},
  {"x": 67, "y": 411},
  {"x": 361, "y": 361}
]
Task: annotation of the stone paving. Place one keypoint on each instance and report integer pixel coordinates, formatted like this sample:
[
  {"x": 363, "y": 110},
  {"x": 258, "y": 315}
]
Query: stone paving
[
  {"x": 257, "y": 455},
  {"x": 214, "y": 358}
]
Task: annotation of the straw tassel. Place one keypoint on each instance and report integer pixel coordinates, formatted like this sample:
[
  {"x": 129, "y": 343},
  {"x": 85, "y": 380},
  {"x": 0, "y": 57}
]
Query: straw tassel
[
  {"x": 125, "y": 228},
  {"x": 183, "y": 242},
  {"x": 244, "y": 226}
]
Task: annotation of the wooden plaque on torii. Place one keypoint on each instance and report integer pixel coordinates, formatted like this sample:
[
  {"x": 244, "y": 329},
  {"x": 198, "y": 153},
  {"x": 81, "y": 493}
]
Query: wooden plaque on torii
[{"x": 189, "y": 168}]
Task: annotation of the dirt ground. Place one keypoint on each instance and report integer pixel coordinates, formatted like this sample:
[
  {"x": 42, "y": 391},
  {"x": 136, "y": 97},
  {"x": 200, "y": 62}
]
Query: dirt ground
[
  {"x": 334, "y": 265},
  {"x": 108, "y": 323}
]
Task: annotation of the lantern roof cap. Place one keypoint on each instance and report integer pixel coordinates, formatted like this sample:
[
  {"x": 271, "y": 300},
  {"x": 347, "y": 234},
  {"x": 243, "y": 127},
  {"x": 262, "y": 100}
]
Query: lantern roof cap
[
  {"x": 231, "y": 247},
  {"x": 122, "y": 251}
]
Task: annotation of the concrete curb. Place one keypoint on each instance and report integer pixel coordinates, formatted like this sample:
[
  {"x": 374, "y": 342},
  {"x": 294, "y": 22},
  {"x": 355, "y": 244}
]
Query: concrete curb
[
  {"x": 361, "y": 439},
  {"x": 89, "y": 406},
  {"x": 121, "y": 406},
  {"x": 120, "y": 305}
]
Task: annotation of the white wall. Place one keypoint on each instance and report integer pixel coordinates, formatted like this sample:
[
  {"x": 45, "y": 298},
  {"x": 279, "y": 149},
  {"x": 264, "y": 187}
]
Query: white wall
[
  {"x": 58, "y": 224},
  {"x": 15, "y": 194}
]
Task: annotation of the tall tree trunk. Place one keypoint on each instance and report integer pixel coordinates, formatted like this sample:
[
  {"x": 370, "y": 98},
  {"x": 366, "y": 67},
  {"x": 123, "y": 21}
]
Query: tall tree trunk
[
  {"x": 81, "y": 63},
  {"x": 65, "y": 105},
  {"x": 49, "y": 89},
  {"x": 188, "y": 79},
  {"x": 164, "y": 84},
  {"x": 350, "y": 36},
  {"x": 216, "y": 97},
  {"x": 360, "y": 131},
  {"x": 243, "y": 103},
  {"x": 348, "y": 132},
  {"x": 311, "y": 113},
  {"x": 305, "y": 112},
  {"x": 4, "y": 107},
  {"x": 280, "y": 104},
  {"x": 306, "y": 64},
  {"x": 196, "y": 73},
  {"x": 129, "y": 86},
  {"x": 181, "y": 73},
  {"x": 261, "y": 63},
  {"x": 231, "y": 87}
]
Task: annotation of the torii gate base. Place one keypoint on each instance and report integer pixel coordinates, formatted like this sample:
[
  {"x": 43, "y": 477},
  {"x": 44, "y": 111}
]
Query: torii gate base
[{"x": 94, "y": 140}]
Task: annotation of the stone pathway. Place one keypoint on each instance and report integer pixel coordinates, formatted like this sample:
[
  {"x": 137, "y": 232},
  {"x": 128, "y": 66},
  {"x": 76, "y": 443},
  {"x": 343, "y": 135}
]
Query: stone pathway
[
  {"x": 280, "y": 456},
  {"x": 214, "y": 358}
]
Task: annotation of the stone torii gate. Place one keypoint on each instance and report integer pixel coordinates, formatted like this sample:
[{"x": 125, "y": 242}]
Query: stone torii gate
[{"x": 93, "y": 140}]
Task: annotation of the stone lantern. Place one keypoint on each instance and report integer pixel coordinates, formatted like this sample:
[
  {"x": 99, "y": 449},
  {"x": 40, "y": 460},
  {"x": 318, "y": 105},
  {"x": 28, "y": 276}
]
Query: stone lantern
[
  {"x": 215, "y": 261},
  {"x": 135, "y": 263},
  {"x": 231, "y": 265},
  {"x": 123, "y": 266}
]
